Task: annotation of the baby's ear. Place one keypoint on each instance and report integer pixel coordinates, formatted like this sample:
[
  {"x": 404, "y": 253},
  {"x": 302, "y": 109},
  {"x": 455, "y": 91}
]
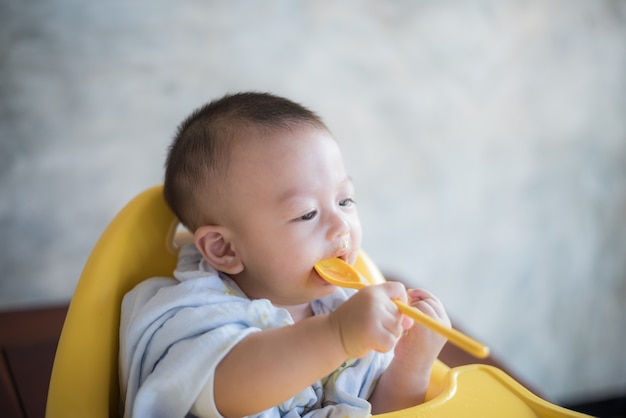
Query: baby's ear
[{"x": 213, "y": 243}]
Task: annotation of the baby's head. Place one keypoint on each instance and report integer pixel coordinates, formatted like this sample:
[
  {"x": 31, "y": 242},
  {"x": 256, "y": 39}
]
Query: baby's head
[
  {"x": 200, "y": 154},
  {"x": 260, "y": 181}
]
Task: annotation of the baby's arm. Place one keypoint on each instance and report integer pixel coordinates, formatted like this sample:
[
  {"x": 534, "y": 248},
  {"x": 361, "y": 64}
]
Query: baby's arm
[
  {"x": 269, "y": 367},
  {"x": 405, "y": 381}
]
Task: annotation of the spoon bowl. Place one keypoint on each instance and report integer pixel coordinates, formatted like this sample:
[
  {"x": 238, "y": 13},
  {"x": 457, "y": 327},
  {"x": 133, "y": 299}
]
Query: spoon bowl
[{"x": 338, "y": 272}]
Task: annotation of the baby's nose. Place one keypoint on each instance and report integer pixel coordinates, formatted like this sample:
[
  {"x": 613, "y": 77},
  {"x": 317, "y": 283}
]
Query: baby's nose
[{"x": 339, "y": 227}]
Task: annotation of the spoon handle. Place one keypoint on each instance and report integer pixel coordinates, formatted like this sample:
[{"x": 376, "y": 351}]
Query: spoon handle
[{"x": 457, "y": 338}]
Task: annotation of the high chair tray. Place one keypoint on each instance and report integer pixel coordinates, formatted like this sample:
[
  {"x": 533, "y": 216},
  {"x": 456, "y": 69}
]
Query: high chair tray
[{"x": 479, "y": 390}]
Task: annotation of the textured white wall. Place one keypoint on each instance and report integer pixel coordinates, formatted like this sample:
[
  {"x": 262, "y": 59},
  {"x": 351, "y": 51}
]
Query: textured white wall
[{"x": 487, "y": 140}]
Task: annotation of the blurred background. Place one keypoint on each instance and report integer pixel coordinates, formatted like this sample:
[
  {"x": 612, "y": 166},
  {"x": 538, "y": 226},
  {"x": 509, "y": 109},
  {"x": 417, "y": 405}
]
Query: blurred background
[{"x": 486, "y": 139}]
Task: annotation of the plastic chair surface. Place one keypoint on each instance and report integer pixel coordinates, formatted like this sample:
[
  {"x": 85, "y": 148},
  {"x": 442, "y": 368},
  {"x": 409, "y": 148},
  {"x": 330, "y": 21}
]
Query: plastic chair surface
[{"x": 135, "y": 246}]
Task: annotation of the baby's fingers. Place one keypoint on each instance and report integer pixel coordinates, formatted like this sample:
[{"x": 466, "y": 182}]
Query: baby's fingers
[
  {"x": 429, "y": 304},
  {"x": 421, "y": 294}
]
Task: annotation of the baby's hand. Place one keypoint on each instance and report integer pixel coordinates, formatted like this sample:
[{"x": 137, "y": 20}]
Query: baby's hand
[
  {"x": 421, "y": 346},
  {"x": 369, "y": 320}
]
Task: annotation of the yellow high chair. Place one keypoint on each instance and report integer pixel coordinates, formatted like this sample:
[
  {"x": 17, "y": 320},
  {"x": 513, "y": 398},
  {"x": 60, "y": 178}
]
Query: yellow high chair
[{"x": 138, "y": 244}]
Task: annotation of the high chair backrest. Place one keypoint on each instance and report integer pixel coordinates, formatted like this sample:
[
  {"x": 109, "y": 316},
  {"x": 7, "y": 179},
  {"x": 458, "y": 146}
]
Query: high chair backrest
[{"x": 135, "y": 246}]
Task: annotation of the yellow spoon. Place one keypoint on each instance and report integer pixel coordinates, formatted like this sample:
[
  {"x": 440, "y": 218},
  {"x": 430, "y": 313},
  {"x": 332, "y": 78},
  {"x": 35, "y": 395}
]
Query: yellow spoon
[{"x": 338, "y": 272}]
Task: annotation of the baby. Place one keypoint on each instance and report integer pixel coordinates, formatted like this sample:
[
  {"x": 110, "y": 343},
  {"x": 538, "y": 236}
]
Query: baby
[{"x": 248, "y": 328}]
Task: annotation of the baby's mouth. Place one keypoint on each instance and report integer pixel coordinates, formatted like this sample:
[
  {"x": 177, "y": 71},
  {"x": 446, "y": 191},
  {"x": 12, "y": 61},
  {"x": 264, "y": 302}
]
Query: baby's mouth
[{"x": 342, "y": 249}]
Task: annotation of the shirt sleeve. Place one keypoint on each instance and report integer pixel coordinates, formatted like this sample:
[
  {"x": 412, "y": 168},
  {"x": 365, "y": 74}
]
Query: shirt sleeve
[{"x": 174, "y": 334}]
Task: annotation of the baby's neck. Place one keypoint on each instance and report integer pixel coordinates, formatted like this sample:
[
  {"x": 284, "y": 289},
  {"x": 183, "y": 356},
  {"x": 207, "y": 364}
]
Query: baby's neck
[{"x": 300, "y": 312}]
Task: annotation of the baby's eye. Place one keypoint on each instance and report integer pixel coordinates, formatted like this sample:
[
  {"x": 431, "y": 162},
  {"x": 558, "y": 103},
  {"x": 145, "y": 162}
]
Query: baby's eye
[
  {"x": 308, "y": 216},
  {"x": 347, "y": 202}
]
